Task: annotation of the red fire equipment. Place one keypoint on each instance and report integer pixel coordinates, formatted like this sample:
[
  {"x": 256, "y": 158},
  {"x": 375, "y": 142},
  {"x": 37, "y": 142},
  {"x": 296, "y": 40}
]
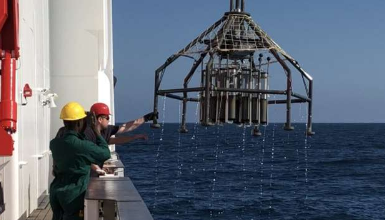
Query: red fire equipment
[
  {"x": 9, "y": 53},
  {"x": 27, "y": 91}
]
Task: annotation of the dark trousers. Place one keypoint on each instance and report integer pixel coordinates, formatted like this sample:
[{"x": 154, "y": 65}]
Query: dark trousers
[{"x": 71, "y": 211}]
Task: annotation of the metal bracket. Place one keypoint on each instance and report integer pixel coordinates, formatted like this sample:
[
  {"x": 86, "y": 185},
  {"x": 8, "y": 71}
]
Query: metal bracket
[{"x": 22, "y": 163}]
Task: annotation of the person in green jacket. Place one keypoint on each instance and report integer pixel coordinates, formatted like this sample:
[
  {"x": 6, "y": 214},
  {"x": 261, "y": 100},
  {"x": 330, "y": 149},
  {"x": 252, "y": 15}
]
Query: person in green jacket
[{"x": 72, "y": 157}]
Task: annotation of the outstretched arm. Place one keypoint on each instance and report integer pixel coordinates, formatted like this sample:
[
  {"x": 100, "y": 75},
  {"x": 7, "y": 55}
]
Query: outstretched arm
[
  {"x": 127, "y": 139},
  {"x": 132, "y": 125}
]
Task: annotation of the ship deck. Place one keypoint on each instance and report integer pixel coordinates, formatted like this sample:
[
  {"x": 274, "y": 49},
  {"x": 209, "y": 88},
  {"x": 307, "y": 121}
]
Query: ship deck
[
  {"x": 120, "y": 189},
  {"x": 43, "y": 212}
]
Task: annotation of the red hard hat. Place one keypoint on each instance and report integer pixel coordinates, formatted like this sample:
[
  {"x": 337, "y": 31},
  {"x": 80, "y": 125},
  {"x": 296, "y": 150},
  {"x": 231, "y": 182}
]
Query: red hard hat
[{"x": 100, "y": 109}]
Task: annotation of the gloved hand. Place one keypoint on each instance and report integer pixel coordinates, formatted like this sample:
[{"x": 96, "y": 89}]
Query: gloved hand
[{"x": 150, "y": 116}]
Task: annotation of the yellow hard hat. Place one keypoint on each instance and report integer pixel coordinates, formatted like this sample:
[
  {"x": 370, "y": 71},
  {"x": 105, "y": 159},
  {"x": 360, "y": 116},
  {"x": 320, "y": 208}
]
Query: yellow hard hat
[{"x": 72, "y": 111}]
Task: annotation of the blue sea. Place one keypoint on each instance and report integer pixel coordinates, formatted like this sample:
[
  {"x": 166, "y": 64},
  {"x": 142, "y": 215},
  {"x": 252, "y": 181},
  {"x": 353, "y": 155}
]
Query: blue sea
[{"x": 225, "y": 173}]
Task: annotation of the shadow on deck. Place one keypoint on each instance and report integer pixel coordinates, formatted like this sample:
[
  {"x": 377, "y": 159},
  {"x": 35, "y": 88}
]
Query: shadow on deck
[{"x": 43, "y": 212}]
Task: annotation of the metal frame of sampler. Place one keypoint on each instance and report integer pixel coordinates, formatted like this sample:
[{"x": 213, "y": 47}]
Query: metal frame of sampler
[{"x": 234, "y": 83}]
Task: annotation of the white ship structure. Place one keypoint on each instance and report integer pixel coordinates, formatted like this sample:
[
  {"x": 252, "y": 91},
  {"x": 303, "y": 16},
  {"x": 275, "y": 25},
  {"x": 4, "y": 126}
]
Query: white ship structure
[{"x": 61, "y": 51}]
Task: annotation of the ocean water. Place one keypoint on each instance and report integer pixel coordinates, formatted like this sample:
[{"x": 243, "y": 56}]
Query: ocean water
[{"x": 225, "y": 173}]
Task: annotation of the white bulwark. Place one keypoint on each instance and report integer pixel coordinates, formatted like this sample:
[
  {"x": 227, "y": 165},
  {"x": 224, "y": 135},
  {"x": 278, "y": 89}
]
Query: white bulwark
[{"x": 65, "y": 49}]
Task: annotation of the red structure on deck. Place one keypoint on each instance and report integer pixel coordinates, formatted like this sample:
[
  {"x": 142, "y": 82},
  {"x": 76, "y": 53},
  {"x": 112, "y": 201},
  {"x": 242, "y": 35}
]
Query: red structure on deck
[{"x": 9, "y": 53}]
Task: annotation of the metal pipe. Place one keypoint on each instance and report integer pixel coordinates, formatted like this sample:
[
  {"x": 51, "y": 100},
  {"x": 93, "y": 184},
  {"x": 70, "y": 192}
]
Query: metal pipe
[
  {"x": 10, "y": 52},
  {"x": 155, "y": 123},
  {"x": 296, "y": 65},
  {"x": 288, "y": 104},
  {"x": 227, "y": 86},
  {"x": 243, "y": 6},
  {"x": 310, "y": 110},
  {"x": 219, "y": 97},
  {"x": 231, "y": 5},
  {"x": 259, "y": 87},
  {"x": 183, "y": 128},
  {"x": 200, "y": 89},
  {"x": 250, "y": 87},
  {"x": 8, "y": 106},
  {"x": 201, "y": 93},
  {"x": 193, "y": 69},
  {"x": 207, "y": 91},
  {"x": 272, "y": 102},
  {"x": 259, "y": 71},
  {"x": 263, "y": 100},
  {"x": 310, "y": 95},
  {"x": 173, "y": 96},
  {"x": 180, "y": 98},
  {"x": 238, "y": 5},
  {"x": 202, "y": 77},
  {"x": 283, "y": 64},
  {"x": 288, "y": 126},
  {"x": 299, "y": 68},
  {"x": 264, "y": 111},
  {"x": 286, "y": 68},
  {"x": 300, "y": 97},
  {"x": 193, "y": 89},
  {"x": 173, "y": 57},
  {"x": 273, "y": 92},
  {"x": 238, "y": 99},
  {"x": 302, "y": 71}
]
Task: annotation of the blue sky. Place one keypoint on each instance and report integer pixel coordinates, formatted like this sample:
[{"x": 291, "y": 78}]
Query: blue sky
[{"x": 340, "y": 43}]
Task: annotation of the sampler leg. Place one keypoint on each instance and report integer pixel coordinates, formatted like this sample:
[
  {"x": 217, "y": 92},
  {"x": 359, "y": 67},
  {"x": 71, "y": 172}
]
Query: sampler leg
[{"x": 183, "y": 128}]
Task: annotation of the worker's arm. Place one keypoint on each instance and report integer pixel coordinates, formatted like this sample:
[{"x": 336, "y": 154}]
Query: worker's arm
[
  {"x": 127, "y": 139},
  {"x": 96, "y": 153},
  {"x": 132, "y": 125}
]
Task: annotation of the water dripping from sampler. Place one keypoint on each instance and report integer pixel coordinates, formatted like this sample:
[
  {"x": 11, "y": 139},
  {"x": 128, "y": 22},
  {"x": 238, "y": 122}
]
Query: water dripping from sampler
[
  {"x": 261, "y": 173},
  {"x": 272, "y": 170},
  {"x": 158, "y": 154},
  {"x": 214, "y": 180},
  {"x": 179, "y": 164},
  {"x": 195, "y": 146},
  {"x": 306, "y": 170}
]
